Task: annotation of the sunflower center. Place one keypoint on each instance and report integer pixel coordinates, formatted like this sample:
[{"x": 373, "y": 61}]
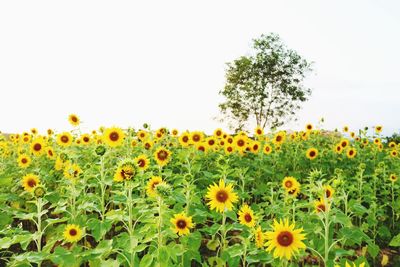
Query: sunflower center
[
  {"x": 222, "y": 196},
  {"x": 31, "y": 183},
  {"x": 86, "y": 139},
  {"x": 162, "y": 155},
  {"x": 64, "y": 139},
  {"x": 240, "y": 143},
  {"x": 247, "y": 217},
  {"x": 114, "y": 136},
  {"x": 147, "y": 146},
  {"x": 196, "y": 138},
  {"x": 211, "y": 142},
  {"x": 74, "y": 119},
  {"x": 285, "y": 238},
  {"x": 37, "y": 147},
  {"x": 278, "y": 138},
  {"x": 344, "y": 144},
  {"x": 201, "y": 148},
  {"x": 321, "y": 207},
  {"x": 141, "y": 163},
  {"x": 288, "y": 184},
  {"x": 259, "y": 132},
  {"x": 181, "y": 224},
  {"x": 24, "y": 160},
  {"x": 312, "y": 153},
  {"x": 328, "y": 193},
  {"x": 50, "y": 153},
  {"x": 255, "y": 147},
  {"x": 126, "y": 173},
  {"x": 351, "y": 152},
  {"x": 154, "y": 185},
  {"x": 73, "y": 232},
  {"x": 230, "y": 149},
  {"x": 185, "y": 139}
]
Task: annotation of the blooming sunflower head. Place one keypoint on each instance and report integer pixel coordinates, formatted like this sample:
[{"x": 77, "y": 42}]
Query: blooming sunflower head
[
  {"x": 309, "y": 127},
  {"x": 37, "y": 146},
  {"x": 64, "y": 139},
  {"x": 72, "y": 233},
  {"x": 72, "y": 170},
  {"x": 378, "y": 128},
  {"x": 184, "y": 139},
  {"x": 329, "y": 191},
  {"x": 285, "y": 240},
  {"x": 289, "y": 183},
  {"x": 312, "y": 153},
  {"x": 394, "y": 153},
  {"x": 246, "y": 216},
  {"x": 24, "y": 160},
  {"x": 196, "y": 137},
  {"x": 86, "y": 139},
  {"x": 267, "y": 149},
  {"x": 30, "y": 181},
  {"x": 74, "y": 120},
  {"x": 351, "y": 152},
  {"x": 393, "y": 177},
  {"x": 142, "y": 162},
  {"x": 113, "y": 136},
  {"x": 321, "y": 206},
  {"x": 126, "y": 171},
  {"x": 162, "y": 156},
  {"x": 182, "y": 224},
  {"x": 221, "y": 196},
  {"x": 258, "y": 131}
]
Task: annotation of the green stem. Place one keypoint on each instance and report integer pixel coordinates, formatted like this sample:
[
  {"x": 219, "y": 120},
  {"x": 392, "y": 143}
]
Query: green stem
[
  {"x": 326, "y": 237},
  {"x": 393, "y": 211},
  {"x": 159, "y": 227},
  {"x": 223, "y": 233}
]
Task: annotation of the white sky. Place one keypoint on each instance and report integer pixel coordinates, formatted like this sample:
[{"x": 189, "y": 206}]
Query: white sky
[{"x": 163, "y": 62}]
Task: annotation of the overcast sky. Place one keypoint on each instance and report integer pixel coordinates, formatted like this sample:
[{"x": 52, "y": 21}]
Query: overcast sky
[{"x": 163, "y": 62}]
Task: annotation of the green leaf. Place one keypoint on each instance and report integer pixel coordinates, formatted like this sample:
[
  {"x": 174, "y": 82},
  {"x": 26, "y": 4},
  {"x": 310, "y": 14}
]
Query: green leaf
[
  {"x": 395, "y": 242},
  {"x": 146, "y": 260},
  {"x": 373, "y": 250},
  {"x": 99, "y": 228}
]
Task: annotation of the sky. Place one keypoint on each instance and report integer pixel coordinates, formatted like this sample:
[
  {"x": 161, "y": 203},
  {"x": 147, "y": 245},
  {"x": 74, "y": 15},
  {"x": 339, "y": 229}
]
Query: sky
[{"x": 125, "y": 63}]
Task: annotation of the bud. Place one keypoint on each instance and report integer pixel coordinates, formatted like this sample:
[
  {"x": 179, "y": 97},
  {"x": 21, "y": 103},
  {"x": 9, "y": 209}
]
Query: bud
[
  {"x": 64, "y": 156},
  {"x": 362, "y": 166},
  {"x": 163, "y": 190},
  {"x": 145, "y": 125},
  {"x": 100, "y": 150},
  {"x": 39, "y": 191}
]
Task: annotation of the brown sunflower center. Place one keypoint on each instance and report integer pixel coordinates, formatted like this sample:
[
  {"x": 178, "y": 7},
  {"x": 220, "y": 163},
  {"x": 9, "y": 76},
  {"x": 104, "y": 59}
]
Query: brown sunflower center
[
  {"x": 321, "y": 207},
  {"x": 37, "y": 147},
  {"x": 114, "y": 136},
  {"x": 278, "y": 138},
  {"x": 344, "y": 144},
  {"x": 162, "y": 155},
  {"x": 255, "y": 147},
  {"x": 211, "y": 142},
  {"x": 351, "y": 152},
  {"x": 141, "y": 163},
  {"x": 259, "y": 131},
  {"x": 185, "y": 139},
  {"x": 288, "y": 184},
  {"x": 154, "y": 184},
  {"x": 222, "y": 196},
  {"x": 247, "y": 217},
  {"x": 73, "y": 232},
  {"x": 240, "y": 143},
  {"x": 196, "y": 137},
  {"x": 64, "y": 139},
  {"x": 50, "y": 152},
  {"x": 230, "y": 149},
  {"x": 201, "y": 148},
  {"x": 74, "y": 119},
  {"x": 31, "y": 183},
  {"x": 285, "y": 238},
  {"x": 328, "y": 193},
  {"x": 147, "y": 146},
  {"x": 312, "y": 153},
  {"x": 85, "y": 139},
  {"x": 181, "y": 224},
  {"x": 24, "y": 160}
]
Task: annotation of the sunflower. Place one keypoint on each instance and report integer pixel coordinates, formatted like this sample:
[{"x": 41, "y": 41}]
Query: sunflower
[
  {"x": 312, "y": 153},
  {"x": 64, "y": 139},
  {"x": 184, "y": 139},
  {"x": 258, "y": 131},
  {"x": 59, "y": 164},
  {"x": 328, "y": 191},
  {"x": 394, "y": 153},
  {"x": 151, "y": 185},
  {"x": 309, "y": 127},
  {"x": 26, "y": 139},
  {"x": 74, "y": 120},
  {"x": 72, "y": 171},
  {"x": 162, "y": 156},
  {"x": 218, "y": 133},
  {"x": 351, "y": 153},
  {"x": 37, "y": 146},
  {"x": 196, "y": 137},
  {"x": 344, "y": 143},
  {"x": 290, "y": 183},
  {"x": 279, "y": 138},
  {"x": 34, "y": 131},
  {"x": 113, "y": 136},
  {"x": 202, "y": 147},
  {"x": 229, "y": 149},
  {"x": 259, "y": 237},
  {"x": 352, "y": 134},
  {"x": 50, "y": 132},
  {"x": 85, "y": 139},
  {"x": 378, "y": 128},
  {"x": 30, "y": 181},
  {"x": 377, "y": 141},
  {"x": 354, "y": 265},
  {"x": 294, "y": 191},
  {"x": 24, "y": 160},
  {"x": 125, "y": 171},
  {"x": 142, "y": 162},
  {"x": 365, "y": 142},
  {"x": 182, "y": 224},
  {"x": 338, "y": 149},
  {"x": 72, "y": 233},
  {"x": 285, "y": 239},
  {"x": 240, "y": 142},
  {"x": 221, "y": 197},
  {"x": 148, "y": 144},
  {"x": 345, "y": 128},
  {"x": 255, "y": 147},
  {"x": 174, "y": 132},
  {"x": 229, "y": 139},
  {"x": 392, "y": 144},
  {"x": 321, "y": 206},
  {"x": 267, "y": 149},
  {"x": 211, "y": 142},
  {"x": 393, "y": 177},
  {"x": 50, "y": 153},
  {"x": 246, "y": 216}
]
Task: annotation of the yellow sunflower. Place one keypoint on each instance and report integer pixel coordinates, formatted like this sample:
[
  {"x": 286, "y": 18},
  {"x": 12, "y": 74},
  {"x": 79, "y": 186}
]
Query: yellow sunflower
[
  {"x": 240, "y": 142},
  {"x": 312, "y": 153},
  {"x": 26, "y": 139},
  {"x": 289, "y": 183},
  {"x": 184, "y": 139},
  {"x": 267, "y": 149},
  {"x": 24, "y": 160},
  {"x": 309, "y": 127},
  {"x": 321, "y": 206},
  {"x": 72, "y": 233},
  {"x": 113, "y": 136},
  {"x": 72, "y": 171},
  {"x": 221, "y": 197},
  {"x": 211, "y": 142},
  {"x": 393, "y": 177},
  {"x": 30, "y": 181},
  {"x": 196, "y": 137},
  {"x": 246, "y": 216},
  {"x": 328, "y": 191},
  {"x": 279, "y": 138},
  {"x": 255, "y": 147},
  {"x": 338, "y": 149},
  {"x": 142, "y": 162},
  {"x": 142, "y": 135},
  {"x": 125, "y": 171},
  {"x": 259, "y": 237},
  {"x": 392, "y": 144},
  {"x": 229, "y": 149},
  {"x": 351, "y": 153},
  {"x": 162, "y": 156},
  {"x": 285, "y": 240},
  {"x": 218, "y": 133},
  {"x": 64, "y": 139},
  {"x": 50, "y": 153},
  {"x": 148, "y": 144},
  {"x": 151, "y": 185},
  {"x": 258, "y": 131},
  {"x": 182, "y": 224},
  {"x": 86, "y": 139},
  {"x": 37, "y": 146},
  {"x": 345, "y": 128},
  {"x": 394, "y": 153},
  {"x": 378, "y": 128},
  {"x": 174, "y": 132},
  {"x": 344, "y": 143},
  {"x": 202, "y": 147},
  {"x": 74, "y": 120}
]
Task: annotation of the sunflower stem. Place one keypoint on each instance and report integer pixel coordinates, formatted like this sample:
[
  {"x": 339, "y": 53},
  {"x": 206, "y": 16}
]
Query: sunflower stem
[
  {"x": 223, "y": 233},
  {"x": 159, "y": 200},
  {"x": 326, "y": 237}
]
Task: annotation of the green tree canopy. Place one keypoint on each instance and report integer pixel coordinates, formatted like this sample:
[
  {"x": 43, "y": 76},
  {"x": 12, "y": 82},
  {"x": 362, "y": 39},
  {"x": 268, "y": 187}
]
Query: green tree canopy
[{"x": 266, "y": 86}]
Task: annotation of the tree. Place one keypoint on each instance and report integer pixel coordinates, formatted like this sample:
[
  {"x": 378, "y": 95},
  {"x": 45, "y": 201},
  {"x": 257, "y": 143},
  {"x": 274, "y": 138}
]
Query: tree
[{"x": 267, "y": 86}]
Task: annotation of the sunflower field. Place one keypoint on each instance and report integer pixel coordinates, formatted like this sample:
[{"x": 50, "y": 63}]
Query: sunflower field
[{"x": 142, "y": 197}]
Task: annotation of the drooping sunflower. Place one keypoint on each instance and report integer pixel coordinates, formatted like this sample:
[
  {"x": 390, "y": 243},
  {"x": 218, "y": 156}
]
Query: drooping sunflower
[
  {"x": 64, "y": 139},
  {"x": 151, "y": 184},
  {"x": 72, "y": 171},
  {"x": 182, "y": 224},
  {"x": 162, "y": 156},
  {"x": 72, "y": 233},
  {"x": 393, "y": 177},
  {"x": 321, "y": 206},
  {"x": 267, "y": 149},
  {"x": 126, "y": 171},
  {"x": 312, "y": 153},
  {"x": 259, "y": 237},
  {"x": 351, "y": 152},
  {"x": 30, "y": 181},
  {"x": 142, "y": 162},
  {"x": 258, "y": 131},
  {"x": 74, "y": 120},
  {"x": 113, "y": 136},
  {"x": 221, "y": 197},
  {"x": 285, "y": 240},
  {"x": 37, "y": 146},
  {"x": 329, "y": 191},
  {"x": 246, "y": 216},
  {"x": 24, "y": 160}
]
